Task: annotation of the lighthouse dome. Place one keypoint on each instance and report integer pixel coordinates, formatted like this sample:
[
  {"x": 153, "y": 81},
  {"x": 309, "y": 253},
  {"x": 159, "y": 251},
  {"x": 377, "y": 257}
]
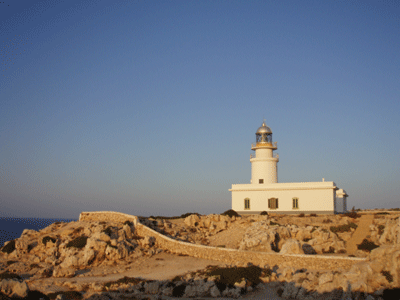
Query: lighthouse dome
[{"x": 264, "y": 129}]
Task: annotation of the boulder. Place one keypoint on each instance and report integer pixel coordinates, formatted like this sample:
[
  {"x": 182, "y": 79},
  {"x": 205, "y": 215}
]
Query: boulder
[
  {"x": 325, "y": 278},
  {"x": 221, "y": 225},
  {"x": 191, "y": 220},
  {"x": 152, "y": 287},
  {"x": 87, "y": 258},
  {"x": 29, "y": 232},
  {"x": 14, "y": 288},
  {"x": 70, "y": 261},
  {"x": 290, "y": 290},
  {"x": 214, "y": 291},
  {"x": 60, "y": 271},
  {"x": 292, "y": 246},
  {"x": 308, "y": 249},
  {"x": 128, "y": 231},
  {"x": 112, "y": 253},
  {"x": 97, "y": 245},
  {"x": 147, "y": 241}
]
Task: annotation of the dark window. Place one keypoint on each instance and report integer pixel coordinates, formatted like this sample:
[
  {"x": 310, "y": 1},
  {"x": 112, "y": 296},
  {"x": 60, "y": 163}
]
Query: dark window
[
  {"x": 247, "y": 203},
  {"x": 273, "y": 203},
  {"x": 295, "y": 202},
  {"x": 260, "y": 180}
]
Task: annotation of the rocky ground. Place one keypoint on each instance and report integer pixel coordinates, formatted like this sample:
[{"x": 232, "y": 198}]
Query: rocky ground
[{"x": 106, "y": 260}]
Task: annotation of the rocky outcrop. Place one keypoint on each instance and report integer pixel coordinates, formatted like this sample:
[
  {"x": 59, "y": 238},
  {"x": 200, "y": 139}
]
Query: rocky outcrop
[
  {"x": 391, "y": 234},
  {"x": 14, "y": 288}
]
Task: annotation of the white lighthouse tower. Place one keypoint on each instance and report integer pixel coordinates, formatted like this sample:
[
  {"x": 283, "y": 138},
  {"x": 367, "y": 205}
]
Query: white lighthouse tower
[
  {"x": 264, "y": 169},
  {"x": 264, "y": 193}
]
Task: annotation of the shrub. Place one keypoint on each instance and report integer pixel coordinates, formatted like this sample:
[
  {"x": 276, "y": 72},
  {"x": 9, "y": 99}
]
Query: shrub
[
  {"x": 301, "y": 215},
  {"x": 266, "y": 272},
  {"x": 272, "y": 223},
  {"x": 313, "y": 215},
  {"x": 343, "y": 228},
  {"x": 7, "y": 275},
  {"x": 108, "y": 230},
  {"x": 230, "y": 213},
  {"x": 231, "y": 275},
  {"x": 48, "y": 239},
  {"x": 34, "y": 266},
  {"x": 178, "y": 291},
  {"x": 33, "y": 295},
  {"x": 306, "y": 240},
  {"x": 388, "y": 276},
  {"x": 353, "y": 215},
  {"x": 327, "y": 221},
  {"x": 10, "y": 247},
  {"x": 367, "y": 245},
  {"x": 10, "y": 262},
  {"x": 129, "y": 223},
  {"x": 188, "y": 214},
  {"x": 71, "y": 295},
  {"x": 381, "y": 228},
  {"x": 382, "y": 213},
  {"x": 264, "y": 213},
  {"x": 124, "y": 280},
  {"x": 77, "y": 230},
  {"x": 176, "y": 278},
  {"x": 221, "y": 246},
  {"x": 342, "y": 251},
  {"x": 78, "y": 242},
  {"x": 331, "y": 250}
]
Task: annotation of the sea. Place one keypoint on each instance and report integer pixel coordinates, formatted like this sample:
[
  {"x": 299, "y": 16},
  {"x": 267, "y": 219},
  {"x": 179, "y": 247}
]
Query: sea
[{"x": 12, "y": 227}]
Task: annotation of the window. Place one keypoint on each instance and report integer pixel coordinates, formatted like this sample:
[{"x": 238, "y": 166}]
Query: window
[
  {"x": 273, "y": 203},
  {"x": 247, "y": 203},
  {"x": 295, "y": 203},
  {"x": 260, "y": 180}
]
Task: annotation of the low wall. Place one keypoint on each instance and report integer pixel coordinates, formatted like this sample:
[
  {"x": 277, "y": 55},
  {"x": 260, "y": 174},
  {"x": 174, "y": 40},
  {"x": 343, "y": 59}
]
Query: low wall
[
  {"x": 107, "y": 216},
  {"x": 228, "y": 256}
]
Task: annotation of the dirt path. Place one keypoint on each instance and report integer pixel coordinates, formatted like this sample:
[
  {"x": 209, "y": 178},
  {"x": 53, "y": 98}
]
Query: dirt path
[
  {"x": 161, "y": 266},
  {"x": 360, "y": 234}
]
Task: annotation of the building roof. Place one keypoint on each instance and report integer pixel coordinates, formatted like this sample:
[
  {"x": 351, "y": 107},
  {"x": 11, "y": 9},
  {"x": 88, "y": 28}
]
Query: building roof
[{"x": 264, "y": 129}]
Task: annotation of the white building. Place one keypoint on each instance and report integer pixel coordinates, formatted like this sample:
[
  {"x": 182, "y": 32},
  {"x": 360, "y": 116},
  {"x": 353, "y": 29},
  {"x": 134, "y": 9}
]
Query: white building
[{"x": 264, "y": 193}]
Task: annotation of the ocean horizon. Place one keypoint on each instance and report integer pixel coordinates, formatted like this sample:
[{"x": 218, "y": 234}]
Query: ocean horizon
[{"x": 12, "y": 227}]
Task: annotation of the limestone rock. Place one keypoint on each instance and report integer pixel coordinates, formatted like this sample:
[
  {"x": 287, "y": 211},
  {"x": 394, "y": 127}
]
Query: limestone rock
[
  {"x": 191, "y": 220},
  {"x": 290, "y": 290},
  {"x": 88, "y": 256},
  {"x": 60, "y": 271},
  {"x": 214, "y": 292},
  {"x": 325, "y": 278},
  {"x": 70, "y": 261},
  {"x": 147, "y": 241},
  {"x": 292, "y": 246},
  {"x": 128, "y": 231},
  {"x": 14, "y": 288},
  {"x": 151, "y": 287}
]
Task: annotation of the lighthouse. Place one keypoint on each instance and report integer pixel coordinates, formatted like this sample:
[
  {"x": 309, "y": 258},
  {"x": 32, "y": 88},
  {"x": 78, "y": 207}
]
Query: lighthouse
[
  {"x": 264, "y": 169},
  {"x": 264, "y": 193}
]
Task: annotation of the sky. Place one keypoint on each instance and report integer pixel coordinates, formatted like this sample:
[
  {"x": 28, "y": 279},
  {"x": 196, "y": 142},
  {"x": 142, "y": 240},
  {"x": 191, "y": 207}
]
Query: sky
[{"x": 150, "y": 107}]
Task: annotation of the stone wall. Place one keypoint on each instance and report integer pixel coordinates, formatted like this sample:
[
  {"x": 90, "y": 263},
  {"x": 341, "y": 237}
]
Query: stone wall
[
  {"x": 110, "y": 216},
  {"x": 228, "y": 256}
]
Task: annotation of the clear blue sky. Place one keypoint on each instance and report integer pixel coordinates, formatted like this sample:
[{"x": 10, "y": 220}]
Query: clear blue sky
[{"x": 150, "y": 107}]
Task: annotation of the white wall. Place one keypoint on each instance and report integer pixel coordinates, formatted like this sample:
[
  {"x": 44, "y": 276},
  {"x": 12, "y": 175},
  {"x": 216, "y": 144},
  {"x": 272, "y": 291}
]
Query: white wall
[{"x": 310, "y": 200}]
